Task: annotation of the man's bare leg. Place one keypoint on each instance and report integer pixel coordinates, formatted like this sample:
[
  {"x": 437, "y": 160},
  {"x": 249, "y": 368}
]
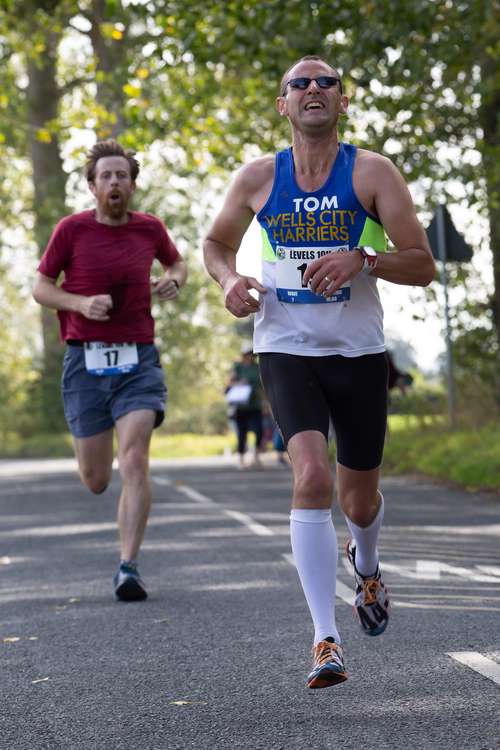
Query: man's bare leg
[
  {"x": 95, "y": 459},
  {"x": 134, "y": 436}
]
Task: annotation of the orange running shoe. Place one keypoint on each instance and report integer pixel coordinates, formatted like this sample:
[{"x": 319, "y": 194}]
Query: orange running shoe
[
  {"x": 371, "y": 604},
  {"x": 328, "y": 665}
]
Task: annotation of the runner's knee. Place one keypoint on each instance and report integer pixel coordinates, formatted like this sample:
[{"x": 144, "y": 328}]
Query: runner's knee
[
  {"x": 362, "y": 513},
  {"x": 96, "y": 481},
  {"x": 134, "y": 461},
  {"x": 314, "y": 481}
]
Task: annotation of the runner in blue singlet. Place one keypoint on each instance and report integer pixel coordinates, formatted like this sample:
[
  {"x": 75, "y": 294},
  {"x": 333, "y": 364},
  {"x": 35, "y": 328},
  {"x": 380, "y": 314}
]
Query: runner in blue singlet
[{"x": 325, "y": 209}]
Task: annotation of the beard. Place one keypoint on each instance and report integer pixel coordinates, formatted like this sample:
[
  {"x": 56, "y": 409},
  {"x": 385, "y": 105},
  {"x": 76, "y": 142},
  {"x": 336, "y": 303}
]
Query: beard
[{"x": 116, "y": 207}]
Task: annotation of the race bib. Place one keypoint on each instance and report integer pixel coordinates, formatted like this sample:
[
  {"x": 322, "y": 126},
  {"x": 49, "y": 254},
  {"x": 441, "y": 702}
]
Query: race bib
[
  {"x": 110, "y": 359},
  {"x": 291, "y": 263}
]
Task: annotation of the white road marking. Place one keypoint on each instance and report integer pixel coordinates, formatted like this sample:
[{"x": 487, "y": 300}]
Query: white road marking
[
  {"x": 459, "y": 608},
  {"x": 343, "y": 592},
  {"x": 491, "y": 529},
  {"x": 346, "y": 594},
  {"x": 228, "y": 532},
  {"x": 490, "y": 570},
  {"x": 243, "y": 586},
  {"x": 460, "y": 596},
  {"x": 428, "y": 569},
  {"x": 236, "y": 515},
  {"x": 75, "y": 529},
  {"x": 195, "y": 495},
  {"x": 432, "y": 570},
  {"x": 247, "y": 521},
  {"x": 479, "y": 663}
]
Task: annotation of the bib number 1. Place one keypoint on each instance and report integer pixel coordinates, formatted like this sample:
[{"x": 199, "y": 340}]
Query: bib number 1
[{"x": 291, "y": 264}]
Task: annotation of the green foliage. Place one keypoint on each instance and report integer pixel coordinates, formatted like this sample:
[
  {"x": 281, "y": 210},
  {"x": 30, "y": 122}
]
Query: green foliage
[
  {"x": 419, "y": 401},
  {"x": 469, "y": 457},
  {"x": 189, "y": 445},
  {"x": 17, "y": 343},
  {"x": 197, "y": 82},
  {"x": 39, "y": 445},
  {"x": 60, "y": 445},
  {"x": 196, "y": 337}
]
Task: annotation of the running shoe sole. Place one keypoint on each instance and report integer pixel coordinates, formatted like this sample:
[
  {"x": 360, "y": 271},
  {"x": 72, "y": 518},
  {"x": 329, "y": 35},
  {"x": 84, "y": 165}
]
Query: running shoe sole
[
  {"x": 131, "y": 591},
  {"x": 375, "y": 631},
  {"x": 372, "y": 618},
  {"x": 326, "y": 677}
]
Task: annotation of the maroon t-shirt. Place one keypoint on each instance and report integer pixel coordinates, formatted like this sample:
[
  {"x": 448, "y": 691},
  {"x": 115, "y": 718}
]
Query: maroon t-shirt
[{"x": 102, "y": 259}]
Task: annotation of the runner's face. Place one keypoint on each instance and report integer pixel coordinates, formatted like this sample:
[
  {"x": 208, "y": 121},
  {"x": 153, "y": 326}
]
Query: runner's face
[
  {"x": 314, "y": 108},
  {"x": 112, "y": 186}
]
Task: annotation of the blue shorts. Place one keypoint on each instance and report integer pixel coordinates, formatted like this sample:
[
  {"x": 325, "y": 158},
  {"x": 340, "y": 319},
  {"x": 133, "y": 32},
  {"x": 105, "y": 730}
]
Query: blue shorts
[{"x": 92, "y": 404}]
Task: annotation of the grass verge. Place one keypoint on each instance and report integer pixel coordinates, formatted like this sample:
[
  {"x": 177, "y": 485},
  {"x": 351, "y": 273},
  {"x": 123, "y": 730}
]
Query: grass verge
[
  {"x": 471, "y": 458},
  {"x": 162, "y": 446}
]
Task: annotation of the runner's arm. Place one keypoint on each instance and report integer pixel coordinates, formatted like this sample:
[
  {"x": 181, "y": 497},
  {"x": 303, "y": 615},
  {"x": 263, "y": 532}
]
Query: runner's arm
[
  {"x": 47, "y": 293},
  {"x": 174, "y": 278},
  {"x": 412, "y": 261},
  {"x": 386, "y": 195},
  {"x": 222, "y": 244}
]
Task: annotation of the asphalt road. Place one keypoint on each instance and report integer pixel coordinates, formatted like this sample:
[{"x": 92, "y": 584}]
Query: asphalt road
[{"x": 217, "y": 656}]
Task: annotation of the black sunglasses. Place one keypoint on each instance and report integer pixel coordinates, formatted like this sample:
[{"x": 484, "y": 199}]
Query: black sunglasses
[{"x": 324, "y": 82}]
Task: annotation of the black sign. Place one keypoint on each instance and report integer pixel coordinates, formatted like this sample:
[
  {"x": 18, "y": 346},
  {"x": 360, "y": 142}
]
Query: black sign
[{"x": 455, "y": 247}]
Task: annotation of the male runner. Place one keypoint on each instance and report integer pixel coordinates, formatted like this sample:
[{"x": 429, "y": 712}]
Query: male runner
[
  {"x": 323, "y": 207},
  {"x": 112, "y": 376}
]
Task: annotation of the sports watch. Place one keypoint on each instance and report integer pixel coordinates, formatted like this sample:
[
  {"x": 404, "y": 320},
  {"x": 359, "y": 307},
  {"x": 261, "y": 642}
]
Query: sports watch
[{"x": 370, "y": 258}]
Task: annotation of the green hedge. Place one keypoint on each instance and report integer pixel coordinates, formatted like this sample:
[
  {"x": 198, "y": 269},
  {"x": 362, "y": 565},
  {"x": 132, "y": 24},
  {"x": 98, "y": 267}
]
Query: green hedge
[
  {"x": 424, "y": 445},
  {"x": 469, "y": 457}
]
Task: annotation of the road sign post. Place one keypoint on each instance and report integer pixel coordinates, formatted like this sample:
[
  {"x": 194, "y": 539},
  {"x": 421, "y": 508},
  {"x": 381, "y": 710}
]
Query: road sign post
[
  {"x": 441, "y": 248},
  {"x": 447, "y": 246}
]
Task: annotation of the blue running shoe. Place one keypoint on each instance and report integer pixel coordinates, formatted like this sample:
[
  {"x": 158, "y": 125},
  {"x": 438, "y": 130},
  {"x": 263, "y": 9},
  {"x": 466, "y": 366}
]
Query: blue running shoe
[
  {"x": 328, "y": 665},
  {"x": 129, "y": 586},
  {"x": 371, "y": 604}
]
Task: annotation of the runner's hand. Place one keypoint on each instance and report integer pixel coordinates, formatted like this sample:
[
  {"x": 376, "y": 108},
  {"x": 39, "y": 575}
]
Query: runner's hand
[
  {"x": 327, "y": 274},
  {"x": 165, "y": 288},
  {"x": 96, "y": 307},
  {"x": 237, "y": 297}
]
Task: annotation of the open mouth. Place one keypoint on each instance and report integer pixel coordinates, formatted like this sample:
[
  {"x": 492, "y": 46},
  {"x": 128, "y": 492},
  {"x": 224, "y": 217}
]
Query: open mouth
[{"x": 314, "y": 106}]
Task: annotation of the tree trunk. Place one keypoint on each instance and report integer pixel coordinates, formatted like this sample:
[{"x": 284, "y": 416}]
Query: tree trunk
[
  {"x": 110, "y": 62},
  {"x": 490, "y": 122},
  {"x": 49, "y": 182}
]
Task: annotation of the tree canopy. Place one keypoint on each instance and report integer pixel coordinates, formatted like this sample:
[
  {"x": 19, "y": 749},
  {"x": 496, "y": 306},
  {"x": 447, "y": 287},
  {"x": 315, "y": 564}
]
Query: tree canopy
[{"x": 194, "y": 84}]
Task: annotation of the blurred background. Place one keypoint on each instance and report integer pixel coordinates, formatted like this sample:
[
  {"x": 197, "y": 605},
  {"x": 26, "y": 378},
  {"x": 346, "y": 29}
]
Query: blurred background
[{"x": 191, "y": 87}]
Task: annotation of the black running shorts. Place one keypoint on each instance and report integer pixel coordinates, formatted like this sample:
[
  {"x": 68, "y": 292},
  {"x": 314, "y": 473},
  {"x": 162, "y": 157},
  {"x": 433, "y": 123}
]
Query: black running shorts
[{"x": 305, "y": 392}]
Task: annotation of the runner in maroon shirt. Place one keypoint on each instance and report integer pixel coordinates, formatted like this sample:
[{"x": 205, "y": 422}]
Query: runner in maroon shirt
[{"x": 112, "y": 376}]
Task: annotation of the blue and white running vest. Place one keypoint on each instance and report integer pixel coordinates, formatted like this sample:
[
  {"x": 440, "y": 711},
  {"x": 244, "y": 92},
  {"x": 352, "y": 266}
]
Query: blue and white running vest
[{"x": 297, "y": 228}]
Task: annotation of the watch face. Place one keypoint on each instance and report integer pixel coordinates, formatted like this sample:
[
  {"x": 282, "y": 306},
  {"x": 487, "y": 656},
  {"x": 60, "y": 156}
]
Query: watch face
[{"x": 369, "y": 251}]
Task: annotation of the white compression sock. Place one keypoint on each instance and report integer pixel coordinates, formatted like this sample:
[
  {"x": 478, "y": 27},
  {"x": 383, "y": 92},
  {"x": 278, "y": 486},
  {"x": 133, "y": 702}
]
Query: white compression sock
[
  {"x": 314, "y": 548},
  {"x": 365, "y": 540}
]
